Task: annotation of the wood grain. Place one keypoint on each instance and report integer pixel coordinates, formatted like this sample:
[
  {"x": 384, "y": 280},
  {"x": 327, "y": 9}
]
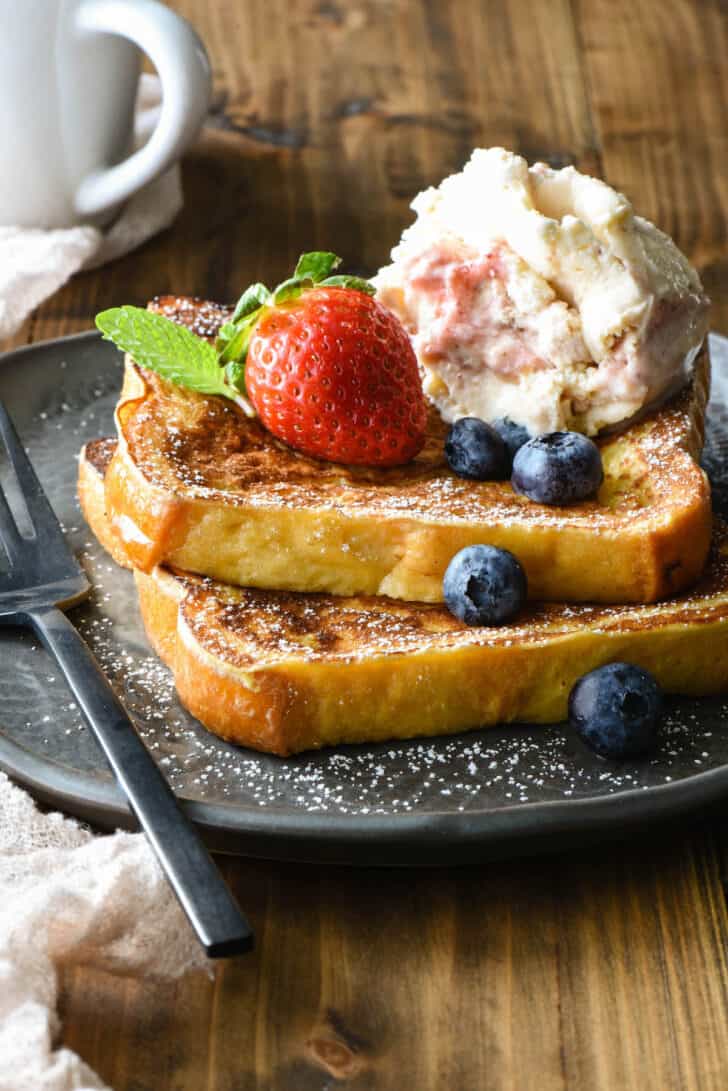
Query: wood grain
[
  {"x": 657, "y": 81},
  {"x": 328, "y": 120},
  {"x": 605, "y": 969}
]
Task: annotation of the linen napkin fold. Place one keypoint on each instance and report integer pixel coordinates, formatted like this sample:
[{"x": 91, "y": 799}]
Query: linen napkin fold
[
  {"x": 35, "y": 263},
  {"x": 70, "y": 898}
]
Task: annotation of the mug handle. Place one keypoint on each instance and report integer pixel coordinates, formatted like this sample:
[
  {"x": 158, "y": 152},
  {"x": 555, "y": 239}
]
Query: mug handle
[{"x": 184, "y": 71}]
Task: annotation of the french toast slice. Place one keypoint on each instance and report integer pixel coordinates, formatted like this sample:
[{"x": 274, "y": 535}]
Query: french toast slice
[
  {"x": 284, "y": 672},
  {"x": 197, "y": 485}
]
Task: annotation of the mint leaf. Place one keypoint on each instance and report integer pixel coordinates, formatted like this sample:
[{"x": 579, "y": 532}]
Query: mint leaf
[
  {"x": 252, "y": 298},
  {"x": 356, "y": 284},
  {"x": 317, "y": 265},
  {"x": 157, "y": 343}
]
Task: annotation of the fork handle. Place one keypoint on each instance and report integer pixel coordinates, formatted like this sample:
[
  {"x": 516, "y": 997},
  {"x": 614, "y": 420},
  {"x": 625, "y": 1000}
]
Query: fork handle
[{"x": 199, "y": 886}]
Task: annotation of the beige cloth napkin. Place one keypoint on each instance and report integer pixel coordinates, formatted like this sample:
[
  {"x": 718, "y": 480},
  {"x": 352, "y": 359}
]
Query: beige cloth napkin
[
  {"x": 34, "y": 263},
  {"x": 69, "y": 898}
]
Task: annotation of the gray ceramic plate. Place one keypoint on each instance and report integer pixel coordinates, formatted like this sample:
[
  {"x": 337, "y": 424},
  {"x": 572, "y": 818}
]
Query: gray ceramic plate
[{"x": 491, "y": 792}]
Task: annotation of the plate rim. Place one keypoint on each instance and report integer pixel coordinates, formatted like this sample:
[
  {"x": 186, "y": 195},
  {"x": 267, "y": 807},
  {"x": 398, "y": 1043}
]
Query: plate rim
[{"x": 432, "y": 838}]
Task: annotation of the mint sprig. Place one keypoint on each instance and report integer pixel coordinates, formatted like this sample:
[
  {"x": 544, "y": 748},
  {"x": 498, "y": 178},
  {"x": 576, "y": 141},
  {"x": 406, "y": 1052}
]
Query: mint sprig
[{"x": 158, "y": 343}]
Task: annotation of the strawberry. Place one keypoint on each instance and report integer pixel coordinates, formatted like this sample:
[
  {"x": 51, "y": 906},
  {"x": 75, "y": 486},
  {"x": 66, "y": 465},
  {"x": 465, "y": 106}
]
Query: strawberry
[
  {"x": 333, "y": 374},
  {"x": 328, "y": 369}
]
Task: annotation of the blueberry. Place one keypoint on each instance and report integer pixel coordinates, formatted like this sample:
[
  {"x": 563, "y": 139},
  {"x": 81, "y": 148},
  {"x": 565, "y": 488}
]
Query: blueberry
[
  {"x": 484, "y": 585},
  {"x": 513, "y": 435},
  {"x": 558, "y": 468},
  {"x": 473, "y": 449},
  {"x": 616, "y": 710}
]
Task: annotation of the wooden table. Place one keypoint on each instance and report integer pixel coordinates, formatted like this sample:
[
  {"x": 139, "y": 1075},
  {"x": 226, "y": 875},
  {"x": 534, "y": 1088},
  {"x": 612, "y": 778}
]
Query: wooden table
[{"x": 605, "y": 969}]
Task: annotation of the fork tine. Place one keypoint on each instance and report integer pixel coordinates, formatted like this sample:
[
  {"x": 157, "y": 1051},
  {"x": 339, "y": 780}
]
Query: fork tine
[
  {"x": 9, "y": 536},
  {"x": 45, "y": 524}
]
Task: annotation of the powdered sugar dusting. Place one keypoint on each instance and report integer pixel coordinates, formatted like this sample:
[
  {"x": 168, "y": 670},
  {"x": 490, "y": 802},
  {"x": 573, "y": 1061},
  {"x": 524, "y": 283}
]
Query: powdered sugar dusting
[
  {"x": 486, "y": 769},
  {"x": 489, "y": 768}
]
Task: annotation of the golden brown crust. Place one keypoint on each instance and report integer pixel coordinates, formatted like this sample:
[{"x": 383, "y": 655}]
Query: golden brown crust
[
  {"x": 285, "y": 700},
  {"x": 197, "y": 484},
  {"x": 92, "y": 465},
  {"x": 284, "y": 672},
  {"x": 201, "y": 447},
  {"x": 203, "y": 317},
  {"x": 288, "y": 693}
]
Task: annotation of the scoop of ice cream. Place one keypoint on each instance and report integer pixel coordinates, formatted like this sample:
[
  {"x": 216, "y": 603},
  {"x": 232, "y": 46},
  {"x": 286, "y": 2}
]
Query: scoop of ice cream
[{"x": 538, "y": 294}]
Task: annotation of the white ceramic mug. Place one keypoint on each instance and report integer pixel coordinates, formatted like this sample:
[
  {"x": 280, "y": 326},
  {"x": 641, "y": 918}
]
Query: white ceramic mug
[{"x": 68, "y": 77}]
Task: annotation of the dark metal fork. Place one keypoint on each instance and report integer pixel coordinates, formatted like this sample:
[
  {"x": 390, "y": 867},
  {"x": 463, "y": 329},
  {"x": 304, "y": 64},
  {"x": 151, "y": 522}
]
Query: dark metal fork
[{"x": 42, "y": 578}]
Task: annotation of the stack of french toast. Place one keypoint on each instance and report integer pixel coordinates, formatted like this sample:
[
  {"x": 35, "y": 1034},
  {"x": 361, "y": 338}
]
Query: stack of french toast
[{"x": 298, "y": 603}]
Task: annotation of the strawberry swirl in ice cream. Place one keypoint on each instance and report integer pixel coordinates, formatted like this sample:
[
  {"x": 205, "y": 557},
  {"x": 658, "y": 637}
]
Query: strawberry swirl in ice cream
[{"x": 539, "y": 295}]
